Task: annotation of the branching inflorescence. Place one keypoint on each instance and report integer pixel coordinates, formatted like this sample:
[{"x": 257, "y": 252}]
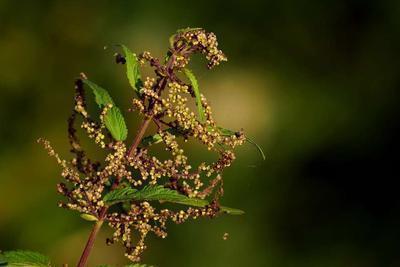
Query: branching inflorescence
[{"x": 121, "y": 191}]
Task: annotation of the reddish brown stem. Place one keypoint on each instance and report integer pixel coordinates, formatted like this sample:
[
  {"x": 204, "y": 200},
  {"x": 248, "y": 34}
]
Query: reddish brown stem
[
  {"x": 96, "y": 228},
  {"x": 142, "y": 129},
  {"x": 92, "y": 237},
  {"x": 139, "y": 135}
]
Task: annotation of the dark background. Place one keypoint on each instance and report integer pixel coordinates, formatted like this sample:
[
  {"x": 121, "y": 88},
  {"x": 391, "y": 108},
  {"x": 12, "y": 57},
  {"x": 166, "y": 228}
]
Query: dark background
[{"x": 314, "y": 82}]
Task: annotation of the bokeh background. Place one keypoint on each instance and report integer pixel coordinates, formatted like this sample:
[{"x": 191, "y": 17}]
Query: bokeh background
[{"x": 316, "y": 83}]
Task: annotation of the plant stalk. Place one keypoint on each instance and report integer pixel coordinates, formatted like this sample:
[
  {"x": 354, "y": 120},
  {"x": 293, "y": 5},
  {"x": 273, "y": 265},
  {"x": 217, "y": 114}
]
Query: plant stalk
[
  {"x": 92, "y": 237},
  {"x": 142, "y": 129},
  {"x": 139, "y": 136},
  {"x": 96, "y": 228}
]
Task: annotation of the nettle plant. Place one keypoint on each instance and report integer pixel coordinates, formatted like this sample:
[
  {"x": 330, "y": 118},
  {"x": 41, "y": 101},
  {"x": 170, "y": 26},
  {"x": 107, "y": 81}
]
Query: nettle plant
[{"x": 126, "y": 190}]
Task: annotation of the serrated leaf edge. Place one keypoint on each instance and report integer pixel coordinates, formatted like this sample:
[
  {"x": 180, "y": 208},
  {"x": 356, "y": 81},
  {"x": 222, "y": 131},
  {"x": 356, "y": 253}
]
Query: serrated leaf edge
[
  {"x": 117, "y": 129},
  {"x": 155, "y": 193},
  {"x": 132, "y": 69},
  {"x": 32, "y": 258}
]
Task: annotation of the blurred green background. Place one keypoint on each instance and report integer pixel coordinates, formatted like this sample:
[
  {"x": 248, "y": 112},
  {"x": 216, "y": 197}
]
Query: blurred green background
[{"x": 314, "y": 82}]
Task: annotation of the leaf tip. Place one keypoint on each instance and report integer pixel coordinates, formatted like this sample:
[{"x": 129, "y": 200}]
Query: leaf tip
[{"x": 232, "y": 211}]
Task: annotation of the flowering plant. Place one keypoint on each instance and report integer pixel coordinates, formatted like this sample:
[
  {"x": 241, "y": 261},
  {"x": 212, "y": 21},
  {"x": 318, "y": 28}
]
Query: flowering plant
[{"x": 121, "y": 192}]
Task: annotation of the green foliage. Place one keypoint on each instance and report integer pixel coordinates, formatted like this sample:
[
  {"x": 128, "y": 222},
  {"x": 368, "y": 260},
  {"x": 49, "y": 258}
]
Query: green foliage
[
  {"x": 86, "y": 178},
  {"x": 151, "y": 140},
  {"x": 25, "y": 258},
  {"x": 115, "y": 123},
  {"x": 3, "y": 260},
  {"x": 132, "y": 69},
  {"x": 195, "y": 85},
  {"x": 156, "y": 138},
  {"x": 102, "y": 97},
  {"x": 159, "y": 193},
  {"x": 89, "y": 217},
  {"x": 114, "y": 119},
  {"x": 228, "y": 132},
  {"x": 231, "y": 211},
  {"x": 257, "y": 146},
  {"x": 119, "y": 195}
]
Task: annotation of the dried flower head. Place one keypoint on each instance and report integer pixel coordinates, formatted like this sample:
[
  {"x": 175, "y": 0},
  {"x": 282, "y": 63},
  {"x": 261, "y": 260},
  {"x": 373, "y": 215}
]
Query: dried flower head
[{"x": 121, "y": 190}]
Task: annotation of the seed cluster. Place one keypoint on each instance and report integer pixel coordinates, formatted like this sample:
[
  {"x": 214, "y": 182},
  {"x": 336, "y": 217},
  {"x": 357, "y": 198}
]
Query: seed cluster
[
  {"x": 165, "y": 100},
  {"x": 197, "y": 40}
]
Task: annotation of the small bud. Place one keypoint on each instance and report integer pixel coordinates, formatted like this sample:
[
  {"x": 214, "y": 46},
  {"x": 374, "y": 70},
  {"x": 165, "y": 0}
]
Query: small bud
[{"x": 89, "y": 217}]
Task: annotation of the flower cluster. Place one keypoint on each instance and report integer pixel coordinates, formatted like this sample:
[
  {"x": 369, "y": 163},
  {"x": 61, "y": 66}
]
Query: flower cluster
[
  {"x": 164, "y": 101},
  {"x": 189, "y": 41}
]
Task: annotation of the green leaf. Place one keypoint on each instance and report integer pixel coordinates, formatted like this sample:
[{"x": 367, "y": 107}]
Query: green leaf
[
  {"x": 89, "y": 217},
  {"x": 196, "y": 91},
  {"x": 151, "y": 140},
  {"x": 231, "y": 211},
  {"x": 119, "y": 195},
  {"x": 113, "y": 120},
  {"x": 228, "y": 132},
  {"x": 102, "y": 97},
  {"x": 132, "y": 69},
  {"x": 156, "y": 138},
  {"x": 257, "y": 146},
  {"x": 25, "y": 258},
  {"x": 115, "y": 123},
  {"x": 3, "y": 260},
  {"x": 159, "y": 193}
]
